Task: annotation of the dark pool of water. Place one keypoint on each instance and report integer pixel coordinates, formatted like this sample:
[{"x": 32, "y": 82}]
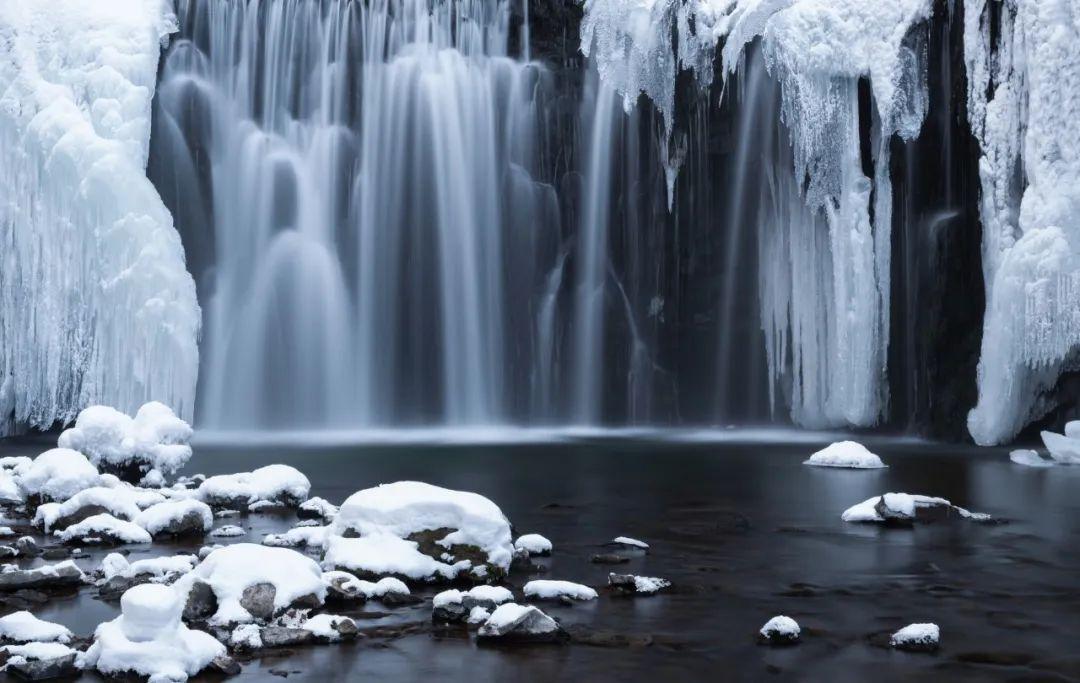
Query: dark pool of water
[{"x": 745, "y": 532}]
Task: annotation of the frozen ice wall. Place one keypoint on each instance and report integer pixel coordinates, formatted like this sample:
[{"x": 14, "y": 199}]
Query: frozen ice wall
[
  {"x": 1024, "y": 109},
  {"x": 96, "y": 305}
]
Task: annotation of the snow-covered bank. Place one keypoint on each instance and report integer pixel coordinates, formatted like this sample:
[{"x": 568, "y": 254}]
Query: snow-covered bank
[{"x": 96, "y": 305}]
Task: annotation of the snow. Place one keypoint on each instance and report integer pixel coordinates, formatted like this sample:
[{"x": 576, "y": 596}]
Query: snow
[
  {"x": 850, "y": 454},
  {"x": 298, "y": 536},
  {"x": 36, "y": 652},
  {"x": 544, "y": 589},
  {"x": 96, "y": 305},
  {"x": 320, "y": 507},
  {"x": 782, "y": 626},
  {"x": 407, "y": 507},
  {"x": 902, "y": 506},
  {"x": 478, "y": 615},
  {"x": 157, "y": 518},
  {"x": 382, "y": 554},
  {"x": 1072, "y": 429},
  {"x": 10, "y": 493},
  {"x": 156, "y": 439},
  {"x": 231, "y": 569},
  {"x": 534, "y": 544},
  {"x": 370, "y": 590},
  {"x": 105, "y": 525},
  {"x": 916, "y": 634},
  {"x": 1029, "y": 458},
  {"x": 58, "y": 474},
  {"x": 149, "y": 639},
  {"x": 1022, "y": 99},
  {"x": 493, "y": 594},
  {"x": 273, "y": 482},
  {"x": 1063, "y": 449},
  {"x": 626, "y": 540},
  {"x": 650, "y": 584},
  {"x": 24, "y": 627},
  {"x": 247, "y": 636},
  {"x": 325, "y": 625},
  {"x": 119, "y": 502},
  {"x": 228, "y": 531},
  {"x": 447, "y": 598},
  {"x": 116, "y": 564}
]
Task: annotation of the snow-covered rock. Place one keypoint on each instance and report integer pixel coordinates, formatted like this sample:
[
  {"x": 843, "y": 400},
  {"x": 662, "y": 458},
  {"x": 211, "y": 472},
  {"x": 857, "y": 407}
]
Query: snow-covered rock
[
  {"x": 149, "y": 639},
  {"x": 24, "y": 627},
  {"x": 228, "y": 531},
  {"x": 116, "y": 565},
  {"x": 277, "y": 483},
  {"x": 233, "y": 571},
  {"x": 155, "y": 440},
  {"x": 1063, "y": 449},
  {"x": 246, "y": 637},
  {"x": 917, "y": 638},
  {"x": 330, "y": 627},
  {"x": 297, "y": 537},
  {"x": 629, "y": 543},
  {"x": 40, "y": 661},
  {"x": 118, "y": 502},
  {"x": 317, "y": 508},
  {"x": 848, "y": 454},
  {"x": 345, "y": 586},
  {"x": 629, "y": 584},
  {"x": 45, "y": 577},
  {"x": 176, "y": 518},
  {"x": 534, "y": 544},
  {"x": 780, "y": 630},
  {"x": 477, "y": 616},
  {"x": 58, "y": 474},
  {"x": 382, "y": 554},
  {"x": 511, "y": 622},
  {"x": 1029, "y": 458},
  {"x": 97, "y": 304},
  {"x": 544, "y": 589},
  {"x": 461, "y": 525},
  {"x": 454, "y": 606},
  {"x": 104, "y": 528},
  {"x": 904, "y": 508}
]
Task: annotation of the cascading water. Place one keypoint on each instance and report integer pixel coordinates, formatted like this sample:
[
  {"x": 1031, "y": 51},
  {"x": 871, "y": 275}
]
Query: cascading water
[{"x": 365, "y": 166}]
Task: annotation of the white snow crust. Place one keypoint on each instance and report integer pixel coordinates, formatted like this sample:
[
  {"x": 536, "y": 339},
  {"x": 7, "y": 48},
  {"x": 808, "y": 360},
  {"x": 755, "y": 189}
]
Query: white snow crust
[{"x": 546, "y": 589}]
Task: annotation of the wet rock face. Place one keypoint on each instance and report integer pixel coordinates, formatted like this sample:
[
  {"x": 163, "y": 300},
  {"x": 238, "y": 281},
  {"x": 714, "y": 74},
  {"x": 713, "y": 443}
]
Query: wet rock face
[{"x": 201, "y": 602}]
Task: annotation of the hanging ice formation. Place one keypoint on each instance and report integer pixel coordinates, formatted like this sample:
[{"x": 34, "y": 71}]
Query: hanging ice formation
[
  {"x": 96, "y": 305},
  {"x": 826, "y": 340}
]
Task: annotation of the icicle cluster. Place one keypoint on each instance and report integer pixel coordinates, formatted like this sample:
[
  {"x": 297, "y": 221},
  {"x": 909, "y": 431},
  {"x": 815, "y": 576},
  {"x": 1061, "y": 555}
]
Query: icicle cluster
[
  {"x": 1024, "y": 109},
  {"x": 818, "y": 50},
  {"x": 95, "y": 301}
]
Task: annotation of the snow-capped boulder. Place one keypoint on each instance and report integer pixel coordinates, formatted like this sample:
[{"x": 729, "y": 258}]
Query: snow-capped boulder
[
  {"x": 329, "y": 628},
  {"x": 629, "y": 584},
  {"x": 154, "y": 440},
  {"x": 381, "y": 555},
  {"x": 46, "y": 577},
  {"x": 117, "y": 575},
  {"x": 780, "y": 630},
  {"x": 1029, "y": 458},
  {"x": 176, "y": 518},
  {"x": 343, "y": 586},
  {"x": 276, "y": 483},
  {"x": 917, "y": 638},
  {"x": 904, "y": 509},
  {"x": 58, "y": 474},
  {"x": 452, "y": 526},
  {"x": 104, "y": 528},
  {"x": 847, "y": 454},
  {"x": 544, "y": 589},
  {"x": 317, "y": 508},
  {"x": 251, "y": 582},
  {"x": 533, "y": 544},
  {"x": 40, "y": 661},
  {"x": 148, "y": 639},
  {"x": 24, "y": 627},
  {"x": 520, "y": 623},
  {"x": 1063, "y": 449}
]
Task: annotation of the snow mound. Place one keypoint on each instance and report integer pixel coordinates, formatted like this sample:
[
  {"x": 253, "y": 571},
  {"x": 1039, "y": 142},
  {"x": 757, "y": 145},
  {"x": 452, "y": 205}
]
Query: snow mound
[
  {"x": 534, "y": 544},
  {"x": 148, "y": 639},
  {"x": 176, "y": 517},
  {"x": 231, "y": 569},
  {"x": 58, "y": 474},
  {"x": 544, "y": 589},
  {"x": 849, "y": 454},
  {"x": 917, "y": 637},
  {"x": 24, "y": 627},
  {"x": 780, "y": 630},
  {"x": 116, "y": 564},
  {"x": 1029, "y": 458},
  {"x": 106, "y": 528},
  {"x": 156, "y": 439},
  {"x": 382, "y": 554},
  {"x": 96, "y": 303},
  {"x": 1063, "y": 449},
  {"x": 408, "y": 508},
  {"x": 279, "y": 483},
  {"x": 904, "y": 508}
]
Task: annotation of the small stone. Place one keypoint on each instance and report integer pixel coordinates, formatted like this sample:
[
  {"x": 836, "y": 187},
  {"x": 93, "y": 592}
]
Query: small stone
[
  {"x": 258, "y": 600},
  {"x": 609, "y": 558},
  {"x": 225, "y": 665},
  {"x": 780, "y": 630},
  {"x": 917, "y": 638},
  {"x": 512, "y": 623}
]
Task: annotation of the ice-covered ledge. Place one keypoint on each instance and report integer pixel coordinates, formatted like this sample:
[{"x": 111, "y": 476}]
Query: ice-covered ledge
[{"x": 96, "y": 304}]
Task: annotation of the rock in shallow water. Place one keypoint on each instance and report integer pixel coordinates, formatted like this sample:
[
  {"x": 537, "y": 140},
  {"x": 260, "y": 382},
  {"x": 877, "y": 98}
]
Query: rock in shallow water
[
  {"x": 917, "y": 638},
  {"x": 513, "y": 623},
  {"x": 780, "y": 630}
]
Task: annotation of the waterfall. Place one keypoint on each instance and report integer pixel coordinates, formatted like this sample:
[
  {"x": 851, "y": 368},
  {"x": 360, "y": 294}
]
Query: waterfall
[{"x": 358, "y": 164}]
